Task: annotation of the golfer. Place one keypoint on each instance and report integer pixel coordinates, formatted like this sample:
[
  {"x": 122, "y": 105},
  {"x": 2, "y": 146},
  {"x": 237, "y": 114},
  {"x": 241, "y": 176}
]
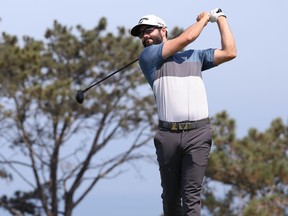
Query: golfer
[{"x": 183, "y": 141}]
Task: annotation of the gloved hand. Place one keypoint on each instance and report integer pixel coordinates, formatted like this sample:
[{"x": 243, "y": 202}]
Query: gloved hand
[{"x": 214, "y": 14}]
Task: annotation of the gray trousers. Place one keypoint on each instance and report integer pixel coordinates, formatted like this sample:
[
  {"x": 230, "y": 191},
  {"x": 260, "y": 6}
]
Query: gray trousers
[{"x": 182, "y": 158}]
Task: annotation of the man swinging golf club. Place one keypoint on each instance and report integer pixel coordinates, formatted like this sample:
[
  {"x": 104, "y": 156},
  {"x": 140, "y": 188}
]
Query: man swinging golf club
[{"x": 183, "y": 141}]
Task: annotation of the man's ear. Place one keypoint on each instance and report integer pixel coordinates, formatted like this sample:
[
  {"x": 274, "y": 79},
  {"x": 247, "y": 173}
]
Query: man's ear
[{"x": 163, "y": 32}]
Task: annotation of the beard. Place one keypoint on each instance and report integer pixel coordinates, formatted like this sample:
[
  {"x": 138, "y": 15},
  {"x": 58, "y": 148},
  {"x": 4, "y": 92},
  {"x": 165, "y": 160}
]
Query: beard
[{"x": 158, "y": 39}]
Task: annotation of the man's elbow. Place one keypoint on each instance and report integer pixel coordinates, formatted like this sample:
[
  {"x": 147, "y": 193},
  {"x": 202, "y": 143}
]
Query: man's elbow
[
  {"x": 231, "y": 54},
  {"x": 224, "y": 55}
]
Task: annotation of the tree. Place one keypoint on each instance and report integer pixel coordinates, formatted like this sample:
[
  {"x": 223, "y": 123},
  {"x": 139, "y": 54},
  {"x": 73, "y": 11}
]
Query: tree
[
  {"x": 255, "y": 167},
  {"x": 60, "y": 148}
]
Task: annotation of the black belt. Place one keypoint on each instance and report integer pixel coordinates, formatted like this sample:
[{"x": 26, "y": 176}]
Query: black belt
[{"x": 185, "y": 125}]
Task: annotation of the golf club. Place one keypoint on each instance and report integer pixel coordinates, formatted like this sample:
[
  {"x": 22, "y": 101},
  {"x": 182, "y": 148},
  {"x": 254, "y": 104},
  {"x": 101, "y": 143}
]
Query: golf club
[{"x": 80, "y": 93}]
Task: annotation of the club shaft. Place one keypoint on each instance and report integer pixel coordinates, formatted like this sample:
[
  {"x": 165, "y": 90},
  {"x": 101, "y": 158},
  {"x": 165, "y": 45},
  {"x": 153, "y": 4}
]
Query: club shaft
[{"x": 109, "y": 76}]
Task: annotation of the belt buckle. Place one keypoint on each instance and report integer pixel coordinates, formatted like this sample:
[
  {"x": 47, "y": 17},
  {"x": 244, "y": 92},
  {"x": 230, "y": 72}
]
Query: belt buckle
[
  {"x": 174, "y": 126},
  {"x": 184, "y": 126}
]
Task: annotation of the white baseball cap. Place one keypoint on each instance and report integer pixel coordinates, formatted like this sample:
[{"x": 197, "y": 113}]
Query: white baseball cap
[{"x": 151, "y": 20}]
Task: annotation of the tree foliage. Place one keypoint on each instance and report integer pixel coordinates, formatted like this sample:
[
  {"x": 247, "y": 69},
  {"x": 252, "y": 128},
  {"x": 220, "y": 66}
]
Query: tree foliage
[
  {"x": 59, "y": 148},
  {"x": 255, "y": 167}
]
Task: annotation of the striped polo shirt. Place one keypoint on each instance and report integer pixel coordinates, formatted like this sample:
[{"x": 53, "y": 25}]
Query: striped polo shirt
[{"x": 177, "y": 82}]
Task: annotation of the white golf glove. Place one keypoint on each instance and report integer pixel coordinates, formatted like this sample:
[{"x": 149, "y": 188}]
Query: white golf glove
[{"x": 214, "y": 14}]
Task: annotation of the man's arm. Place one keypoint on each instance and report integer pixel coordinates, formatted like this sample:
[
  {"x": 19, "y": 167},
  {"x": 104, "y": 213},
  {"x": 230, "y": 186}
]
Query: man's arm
[
  {"x": 228, "y": 50},
  {"x": 173, "y": 46}
]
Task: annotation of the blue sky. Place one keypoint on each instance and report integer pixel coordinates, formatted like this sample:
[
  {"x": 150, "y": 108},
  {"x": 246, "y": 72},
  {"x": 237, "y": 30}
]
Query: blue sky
[{"x": 252, "y": 88}]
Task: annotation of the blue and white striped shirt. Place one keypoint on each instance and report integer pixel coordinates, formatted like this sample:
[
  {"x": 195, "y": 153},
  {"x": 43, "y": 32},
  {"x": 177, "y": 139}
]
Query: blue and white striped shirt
[{"x": 177, "y": 82}]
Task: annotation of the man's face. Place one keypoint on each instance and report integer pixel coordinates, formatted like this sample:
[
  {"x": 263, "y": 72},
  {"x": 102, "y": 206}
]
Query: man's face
[{"x": 150, "y": 35}]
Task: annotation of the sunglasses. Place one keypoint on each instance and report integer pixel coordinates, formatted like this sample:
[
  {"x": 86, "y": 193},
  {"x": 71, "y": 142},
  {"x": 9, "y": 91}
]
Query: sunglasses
[{"x": 147, "y": 30}]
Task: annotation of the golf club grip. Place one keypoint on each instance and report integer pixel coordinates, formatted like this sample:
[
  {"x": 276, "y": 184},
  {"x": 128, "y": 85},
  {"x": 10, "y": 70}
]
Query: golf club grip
[{"x": 110, "y": 75}]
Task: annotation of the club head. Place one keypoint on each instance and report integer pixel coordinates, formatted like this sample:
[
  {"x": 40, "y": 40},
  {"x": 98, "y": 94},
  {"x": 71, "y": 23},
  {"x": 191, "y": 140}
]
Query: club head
[{"x": 79, "y": 96}]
